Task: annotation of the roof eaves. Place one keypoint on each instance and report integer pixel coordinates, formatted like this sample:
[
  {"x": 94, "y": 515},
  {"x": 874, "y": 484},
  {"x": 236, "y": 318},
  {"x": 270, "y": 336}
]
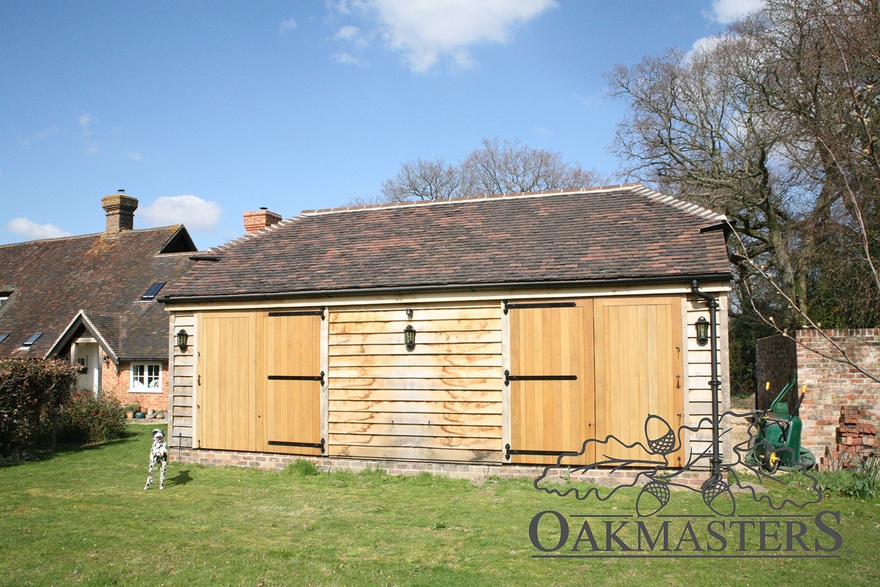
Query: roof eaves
[{"x": 450, "y": 287}]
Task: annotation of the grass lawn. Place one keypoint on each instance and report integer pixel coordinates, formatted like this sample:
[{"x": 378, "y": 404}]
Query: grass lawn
[{"x": 82, "y": 517}]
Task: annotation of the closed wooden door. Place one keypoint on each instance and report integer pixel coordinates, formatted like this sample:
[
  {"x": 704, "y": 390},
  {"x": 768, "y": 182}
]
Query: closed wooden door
[
  {"x": 639, "y": 375},
  {"x": 225, "y": 391},
  {"x": 552, "y": 402},
  {"x": 294, "y": 382}
]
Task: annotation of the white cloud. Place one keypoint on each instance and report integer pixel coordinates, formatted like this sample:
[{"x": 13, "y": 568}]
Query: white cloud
[
  {"x": 87, "y": 120},
  {"x": 43, "y": 134},
  {"x": 352, "y": 34},
  {"x": 348, "y": 59},
  {"x": 30, "y": 229},
  {"x": 424, "y": 31},
  {"x": 704, "y": 44},
  {"x": 134, "y": 156},
  {"x": 727, "y": 11},
  {"x": 196, "y": 213},
  {"x": 288, "y": 25}
]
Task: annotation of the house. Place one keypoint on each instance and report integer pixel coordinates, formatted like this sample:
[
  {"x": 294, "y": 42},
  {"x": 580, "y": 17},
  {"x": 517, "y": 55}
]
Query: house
[
  {"x": 482, "y": 332},
  {"x": 94, "y": 299}
]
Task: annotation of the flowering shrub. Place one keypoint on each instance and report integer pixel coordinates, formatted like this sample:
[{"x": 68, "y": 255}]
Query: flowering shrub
[
  {"x": 85, "y": 418},
  {"x": 31, "y": 394}
]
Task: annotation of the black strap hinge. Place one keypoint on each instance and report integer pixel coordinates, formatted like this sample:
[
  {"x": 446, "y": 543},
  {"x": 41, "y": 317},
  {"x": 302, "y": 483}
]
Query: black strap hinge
[
  {"x": 508, "y": 378},
  {"x": 319, "y": 445},
  {"x": 298, "y": 313},
  {"x": 298, "y": 378},
  {"x": 542, "y": 453},
  {"x": 537, "y": 305}
]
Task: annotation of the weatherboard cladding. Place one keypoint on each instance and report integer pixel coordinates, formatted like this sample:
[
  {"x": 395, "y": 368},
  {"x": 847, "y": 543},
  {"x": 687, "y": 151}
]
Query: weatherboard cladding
[
  {"x": 105, "y": 276},
  {"x": 626, "y": 232}
]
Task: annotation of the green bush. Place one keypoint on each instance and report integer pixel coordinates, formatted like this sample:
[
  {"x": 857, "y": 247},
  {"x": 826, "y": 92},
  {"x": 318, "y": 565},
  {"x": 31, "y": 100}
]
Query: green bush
[
  {"x": 854, "y": 477},
  {"x": 31, "y": 394},
  {"x": 86, "y": 418}
]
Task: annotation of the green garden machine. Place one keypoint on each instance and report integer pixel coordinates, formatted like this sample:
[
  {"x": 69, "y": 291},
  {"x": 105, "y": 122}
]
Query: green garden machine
[{"x": 777, "y": 444}]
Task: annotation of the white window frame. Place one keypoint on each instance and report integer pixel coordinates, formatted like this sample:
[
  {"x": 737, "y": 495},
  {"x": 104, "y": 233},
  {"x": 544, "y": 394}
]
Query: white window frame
[{"x": 146, "y": 378}]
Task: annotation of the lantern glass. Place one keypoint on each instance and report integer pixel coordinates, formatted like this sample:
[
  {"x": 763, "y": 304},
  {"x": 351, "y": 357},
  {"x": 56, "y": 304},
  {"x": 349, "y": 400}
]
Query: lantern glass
[
  {"x": 409, "y": 337},
  {"x": 702, "y": 327},
  {"x": 182, "y": 340}
]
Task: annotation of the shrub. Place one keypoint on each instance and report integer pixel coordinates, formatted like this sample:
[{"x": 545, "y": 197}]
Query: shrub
[
  {"x": 86, "y": 418},
  {"x": 31, "y": 394}
]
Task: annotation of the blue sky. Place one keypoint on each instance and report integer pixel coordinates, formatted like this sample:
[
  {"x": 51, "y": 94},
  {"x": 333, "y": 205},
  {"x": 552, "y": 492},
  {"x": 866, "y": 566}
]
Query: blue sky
[{"x": 205, "y": 110}]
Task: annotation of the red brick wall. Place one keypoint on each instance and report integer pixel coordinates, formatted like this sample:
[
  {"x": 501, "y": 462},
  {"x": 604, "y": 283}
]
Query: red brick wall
[
  {"x": 116, "y": 381},
  {"x": 832, "y": 384}
]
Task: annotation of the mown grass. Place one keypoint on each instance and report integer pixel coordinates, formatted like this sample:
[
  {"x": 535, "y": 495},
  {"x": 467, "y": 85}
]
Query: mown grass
[{"x": 82, "y": 517}]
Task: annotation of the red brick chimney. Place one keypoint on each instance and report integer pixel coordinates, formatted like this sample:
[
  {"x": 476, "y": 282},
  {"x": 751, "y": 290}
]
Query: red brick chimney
[
  {"x": 260, "y": 219},
  {"x": 120, "y": 212}
]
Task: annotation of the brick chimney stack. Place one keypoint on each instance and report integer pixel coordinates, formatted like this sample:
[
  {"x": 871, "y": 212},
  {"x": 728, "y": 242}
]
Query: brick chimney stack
[
  {"x": 120, "y": 212},
  {"x": 260, "y": 219}
]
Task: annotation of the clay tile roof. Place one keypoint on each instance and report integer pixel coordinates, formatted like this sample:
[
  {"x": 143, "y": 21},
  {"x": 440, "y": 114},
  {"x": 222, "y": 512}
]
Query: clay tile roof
[
  {"x": 101, "y": 276},
  {"x": 618, "y": 233}
]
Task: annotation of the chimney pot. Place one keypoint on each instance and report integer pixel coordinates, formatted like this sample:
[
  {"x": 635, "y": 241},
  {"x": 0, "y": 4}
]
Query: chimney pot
[{"x": 120, "y": 212}]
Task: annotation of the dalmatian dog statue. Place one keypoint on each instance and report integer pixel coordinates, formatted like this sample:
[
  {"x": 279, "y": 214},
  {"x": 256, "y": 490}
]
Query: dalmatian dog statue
[{"x": 158, "y": 456}]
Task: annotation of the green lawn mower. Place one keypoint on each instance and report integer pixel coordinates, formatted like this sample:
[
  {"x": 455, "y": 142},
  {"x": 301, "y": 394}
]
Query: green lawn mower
[{"x": 777, "y": 444}]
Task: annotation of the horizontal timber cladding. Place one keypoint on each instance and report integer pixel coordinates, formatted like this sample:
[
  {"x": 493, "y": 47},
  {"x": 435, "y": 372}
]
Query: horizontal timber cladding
[{"x": 440, "y": 400}]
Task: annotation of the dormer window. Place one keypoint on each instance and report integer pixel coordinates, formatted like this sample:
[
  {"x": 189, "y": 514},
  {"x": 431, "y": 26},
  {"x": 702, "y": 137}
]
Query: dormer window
[
  {"x": 4, "y": 295},
  {"x": 153, "y": 290}
]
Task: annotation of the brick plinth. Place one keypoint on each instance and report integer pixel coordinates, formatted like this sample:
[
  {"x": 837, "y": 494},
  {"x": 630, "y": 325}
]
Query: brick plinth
[{"x": 473, "y": 471}]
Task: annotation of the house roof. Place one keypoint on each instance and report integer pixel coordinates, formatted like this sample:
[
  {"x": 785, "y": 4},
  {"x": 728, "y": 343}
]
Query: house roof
[
  {"x": 63, "y": 286},
  {"x": 587, "y": 236}
]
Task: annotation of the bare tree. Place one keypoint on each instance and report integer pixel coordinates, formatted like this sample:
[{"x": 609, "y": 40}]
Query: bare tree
[
  {"x": 776, "y": 124},
  {"x": 495, "y": 167},
  {"x": 423, "y": 180}
]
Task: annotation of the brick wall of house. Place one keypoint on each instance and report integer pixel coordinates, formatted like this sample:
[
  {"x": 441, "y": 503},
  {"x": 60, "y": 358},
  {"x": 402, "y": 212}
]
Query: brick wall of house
[
  {"x": 832, "y": 385},
  {"x": 116, "y": 381}
]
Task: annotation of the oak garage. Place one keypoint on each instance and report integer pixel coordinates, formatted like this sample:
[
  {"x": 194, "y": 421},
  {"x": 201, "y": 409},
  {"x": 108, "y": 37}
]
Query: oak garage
[{"x": 499, "y": 330}]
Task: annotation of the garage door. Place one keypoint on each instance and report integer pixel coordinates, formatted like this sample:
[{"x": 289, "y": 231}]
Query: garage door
[
  {"x": 638, "y": 374},
  {"x": 225, "y": 414},
  {"x": 550, "y": 380},
  {"x": 588, "y": 369},
  {"x": 294, "y": 382}
]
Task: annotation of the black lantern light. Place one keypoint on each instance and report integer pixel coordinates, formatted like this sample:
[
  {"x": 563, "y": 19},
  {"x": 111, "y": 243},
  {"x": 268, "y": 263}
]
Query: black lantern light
[
  {"x": 181, "y": 340},
  {"x": 702, "y": 326},
  {"x": 409, "y": 337}
]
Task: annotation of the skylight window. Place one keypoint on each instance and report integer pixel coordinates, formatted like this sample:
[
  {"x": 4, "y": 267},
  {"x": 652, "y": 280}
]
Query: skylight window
[
  {"x": 31, "y": 340},
  {"x": 154, "y": 289},
  {"x": 4, "y": 295},
  {"x": 3, "y": 336}
]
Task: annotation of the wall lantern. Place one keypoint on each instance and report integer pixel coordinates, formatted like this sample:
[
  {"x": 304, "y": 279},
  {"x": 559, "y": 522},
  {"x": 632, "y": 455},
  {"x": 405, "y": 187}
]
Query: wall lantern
[
  {"x": 702, "y": 326},
  {"x": 181, "y": 340},
  {"x": 409, "y": 336}
]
